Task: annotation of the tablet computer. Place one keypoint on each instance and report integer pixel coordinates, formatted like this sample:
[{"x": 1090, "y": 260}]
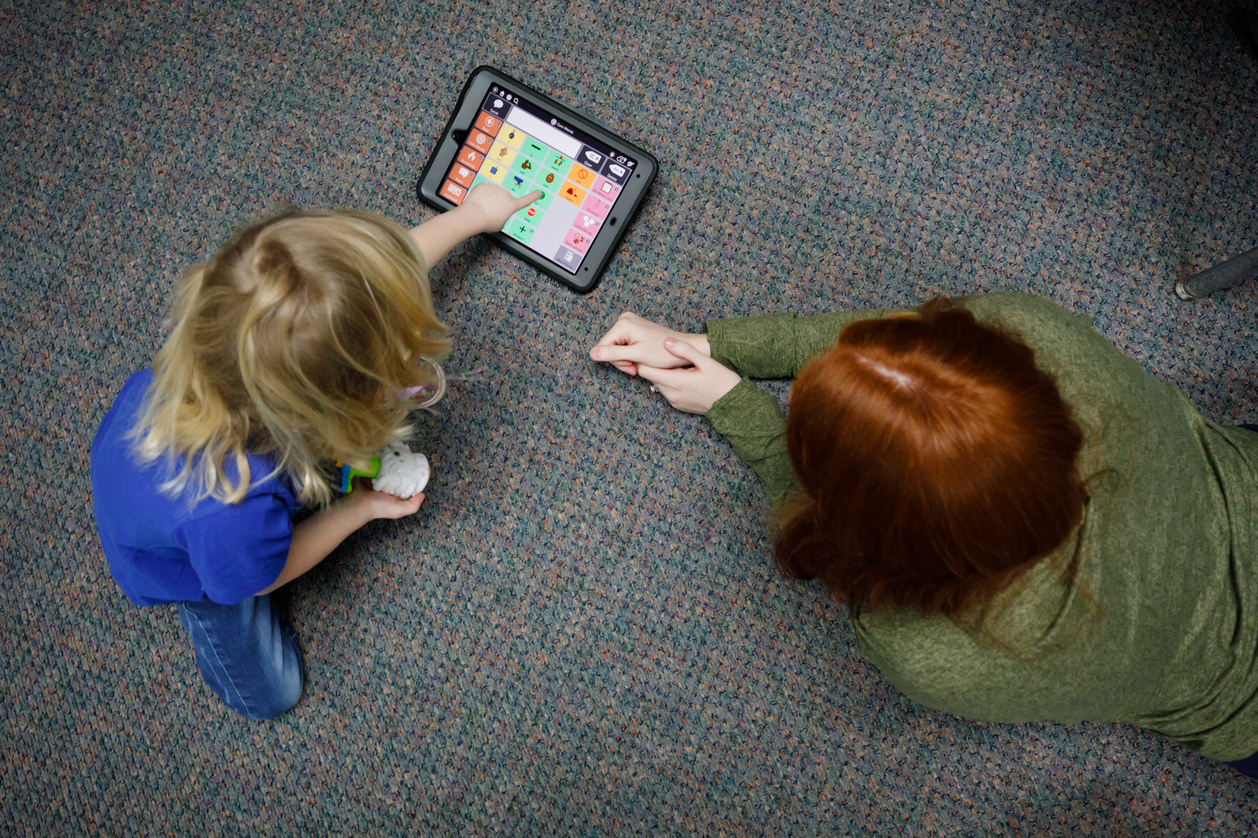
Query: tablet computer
[{"x": 592, "y": 180}]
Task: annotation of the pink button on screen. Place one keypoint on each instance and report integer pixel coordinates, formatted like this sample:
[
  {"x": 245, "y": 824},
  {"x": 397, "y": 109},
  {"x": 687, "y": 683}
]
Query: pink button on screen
[
  {"x": 596, "y": 206},
  {"x": 578, "y": 241},
  {"x": 605, "y": 189},
  {"x": 587, "y": 223}
]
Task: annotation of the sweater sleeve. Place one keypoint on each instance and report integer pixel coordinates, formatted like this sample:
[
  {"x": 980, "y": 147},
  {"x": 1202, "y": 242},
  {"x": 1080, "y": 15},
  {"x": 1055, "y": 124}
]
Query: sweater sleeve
[
  {"x": 753, "y": 423},
  {"x": 778, "y": 345},
  {"x": 768, "y": 346}
]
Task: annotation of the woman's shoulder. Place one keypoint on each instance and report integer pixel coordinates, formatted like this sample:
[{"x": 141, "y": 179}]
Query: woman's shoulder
[
  {"x": 931, "y": 660},
  {"x": 1004, "y": 672},
  {"x": 1066, "y": 345},
  {"x": 1024, "y": 312},
  {"x": 1042, "y": 622}
]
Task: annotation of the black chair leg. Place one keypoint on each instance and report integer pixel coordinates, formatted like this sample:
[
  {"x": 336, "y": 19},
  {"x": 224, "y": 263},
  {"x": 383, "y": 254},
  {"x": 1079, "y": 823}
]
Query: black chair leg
[{"x": 1234, "y": 270}]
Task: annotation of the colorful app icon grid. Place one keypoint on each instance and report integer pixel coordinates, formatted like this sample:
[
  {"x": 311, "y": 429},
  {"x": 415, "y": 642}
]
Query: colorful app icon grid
[{"x": 499, "y": 152}]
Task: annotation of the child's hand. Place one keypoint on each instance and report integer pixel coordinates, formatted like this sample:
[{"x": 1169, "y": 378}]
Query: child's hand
[
  {"x": 485, "y": 210},
  {"x": 489, "y": 205},
  {"x": 635, "y": 340},
  {"x": 693, "y": 389},
  {"x": 381, "y": 504},
  {"x": 317, "y": 536}
]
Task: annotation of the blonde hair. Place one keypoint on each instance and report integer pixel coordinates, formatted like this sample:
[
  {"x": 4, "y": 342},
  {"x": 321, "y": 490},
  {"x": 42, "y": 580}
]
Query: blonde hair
[{"x": 292, "y": 343}]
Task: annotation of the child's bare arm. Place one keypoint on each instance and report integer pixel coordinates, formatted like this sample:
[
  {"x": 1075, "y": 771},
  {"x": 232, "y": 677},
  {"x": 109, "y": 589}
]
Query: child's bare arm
[
  {"x": 485, "y": 210},
  {"x": 321, "y": 533}
]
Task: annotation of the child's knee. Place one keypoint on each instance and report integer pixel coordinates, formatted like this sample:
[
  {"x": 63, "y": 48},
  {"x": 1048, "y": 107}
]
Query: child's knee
[
  {"x": 277, "y": 693},
  {"x": 283, "y": 691},
  {"x": 282, "y": 697}
]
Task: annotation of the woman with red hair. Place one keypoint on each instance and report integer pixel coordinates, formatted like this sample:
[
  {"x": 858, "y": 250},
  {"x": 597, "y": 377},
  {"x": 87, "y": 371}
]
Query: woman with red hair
[{"x": 1025, "y": 525}]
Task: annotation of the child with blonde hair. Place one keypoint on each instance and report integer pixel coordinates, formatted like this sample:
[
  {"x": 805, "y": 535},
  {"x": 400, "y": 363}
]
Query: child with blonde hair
[{"x": 288, "y": 351}]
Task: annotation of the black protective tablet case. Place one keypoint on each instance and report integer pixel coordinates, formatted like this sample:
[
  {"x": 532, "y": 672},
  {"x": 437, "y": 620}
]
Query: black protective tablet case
[{"x": 504, "y": 131}]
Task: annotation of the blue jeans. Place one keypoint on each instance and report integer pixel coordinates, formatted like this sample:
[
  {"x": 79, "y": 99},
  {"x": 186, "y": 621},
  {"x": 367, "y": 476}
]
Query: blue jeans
[
  {"x": 1247, "y": 766},
  {"x": 245, "y": 655}
]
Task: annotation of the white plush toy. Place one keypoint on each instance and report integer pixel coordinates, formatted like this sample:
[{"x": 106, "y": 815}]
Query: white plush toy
[
  {"x": 402, "y": 472},
  {"x": 397, "y": 470}
]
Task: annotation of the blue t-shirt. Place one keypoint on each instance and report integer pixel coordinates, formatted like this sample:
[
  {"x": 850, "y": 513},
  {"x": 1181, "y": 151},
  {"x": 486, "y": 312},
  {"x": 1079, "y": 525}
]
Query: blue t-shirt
[{"x": 164, "y": 549}]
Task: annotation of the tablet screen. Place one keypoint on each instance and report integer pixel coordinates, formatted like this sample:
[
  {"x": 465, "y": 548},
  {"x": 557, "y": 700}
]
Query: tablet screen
[{"x": 519, "y": 146}]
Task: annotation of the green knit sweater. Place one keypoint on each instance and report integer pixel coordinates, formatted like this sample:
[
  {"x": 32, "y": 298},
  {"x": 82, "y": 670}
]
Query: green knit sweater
[{"x": 1148, "y": 614}]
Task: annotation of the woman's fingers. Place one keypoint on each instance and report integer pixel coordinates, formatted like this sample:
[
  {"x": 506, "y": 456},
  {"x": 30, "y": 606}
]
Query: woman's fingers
[
  {"x": 675, "y": 385},
  {"x": 623, "y": 358},
  {"x": 692, "y": 389},
  {"x": 641, "y": 343},
  {"x": 632, "y": 352},
  {"x": 685, "y": 351},
  {"x": 662, "y": 378},
  {"x": 620, "y": 332}
]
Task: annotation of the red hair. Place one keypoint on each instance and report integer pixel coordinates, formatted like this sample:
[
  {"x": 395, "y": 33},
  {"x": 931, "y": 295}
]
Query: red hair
[{"x": 937, "y": 463}]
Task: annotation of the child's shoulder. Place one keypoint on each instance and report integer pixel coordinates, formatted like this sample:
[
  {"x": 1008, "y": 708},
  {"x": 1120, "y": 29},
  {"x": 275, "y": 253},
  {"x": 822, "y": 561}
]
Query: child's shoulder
[
  {"x": 114, "y": 431},
  {"x": 118, "y": 470}
]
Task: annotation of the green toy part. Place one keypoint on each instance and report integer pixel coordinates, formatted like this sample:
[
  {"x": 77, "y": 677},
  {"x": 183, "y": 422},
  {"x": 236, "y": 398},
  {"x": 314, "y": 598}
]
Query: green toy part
[{"x": 348, "y": 473}]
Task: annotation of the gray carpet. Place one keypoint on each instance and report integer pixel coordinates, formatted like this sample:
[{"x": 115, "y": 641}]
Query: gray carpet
[{"x": 582, "y": 633}]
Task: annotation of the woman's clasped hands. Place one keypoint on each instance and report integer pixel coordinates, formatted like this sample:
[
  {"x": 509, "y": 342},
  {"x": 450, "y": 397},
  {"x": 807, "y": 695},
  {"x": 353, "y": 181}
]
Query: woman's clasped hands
[{"x": 678, "y": 365}]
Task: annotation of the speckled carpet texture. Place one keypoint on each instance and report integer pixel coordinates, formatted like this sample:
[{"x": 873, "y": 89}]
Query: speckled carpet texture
[{"x": 583, "y": 632}]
